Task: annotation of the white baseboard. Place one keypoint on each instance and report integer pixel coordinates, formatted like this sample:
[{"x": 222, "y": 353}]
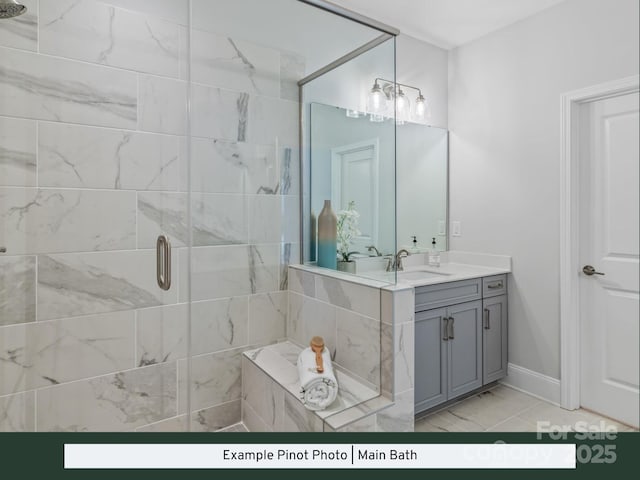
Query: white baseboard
[{"x": 534, "y": 383}]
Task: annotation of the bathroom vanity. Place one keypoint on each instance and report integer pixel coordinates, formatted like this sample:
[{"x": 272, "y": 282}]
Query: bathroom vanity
[{"x": 460, "y": 329}]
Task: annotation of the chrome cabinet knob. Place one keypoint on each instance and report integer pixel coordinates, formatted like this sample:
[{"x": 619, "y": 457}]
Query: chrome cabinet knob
[{"x": 589, "y": 270}]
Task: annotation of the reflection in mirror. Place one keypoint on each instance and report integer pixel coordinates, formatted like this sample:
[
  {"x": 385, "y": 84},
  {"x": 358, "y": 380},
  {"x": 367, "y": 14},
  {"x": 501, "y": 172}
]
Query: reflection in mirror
[
  {"x": 352, "y": 164},
  {"x": 422, "y": 181}
]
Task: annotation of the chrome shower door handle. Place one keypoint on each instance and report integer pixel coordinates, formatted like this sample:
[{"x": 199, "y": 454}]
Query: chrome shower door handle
[{"x": 163, "y": 262}]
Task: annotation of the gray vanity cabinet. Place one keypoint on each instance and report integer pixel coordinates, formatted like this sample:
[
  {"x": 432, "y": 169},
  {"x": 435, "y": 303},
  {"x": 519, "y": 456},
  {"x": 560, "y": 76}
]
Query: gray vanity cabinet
[
  {"x": 494, "y": 338},
  {"x": 460, "y": 338},
  {"x": 448, "y": 353}
]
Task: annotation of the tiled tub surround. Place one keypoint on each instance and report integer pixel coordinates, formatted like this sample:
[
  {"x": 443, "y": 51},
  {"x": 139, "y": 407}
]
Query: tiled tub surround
[
  {"x": 93, "y": 162},
  {"x": 368, "y": 326}
]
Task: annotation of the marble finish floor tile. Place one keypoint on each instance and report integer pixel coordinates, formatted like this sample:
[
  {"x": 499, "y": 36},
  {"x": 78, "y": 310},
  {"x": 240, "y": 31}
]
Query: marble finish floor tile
[{"x": 503, "y": 409}]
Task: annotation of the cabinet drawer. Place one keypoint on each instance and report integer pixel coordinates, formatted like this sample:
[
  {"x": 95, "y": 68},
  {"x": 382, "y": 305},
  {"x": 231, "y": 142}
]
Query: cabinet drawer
[
  {"x": 492, "y": 286},
  {"x": 443, "y": 294}
]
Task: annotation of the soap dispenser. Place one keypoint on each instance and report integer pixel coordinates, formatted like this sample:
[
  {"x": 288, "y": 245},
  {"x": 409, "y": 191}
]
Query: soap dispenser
[
  {"x": 433, "y": 258},
  {"x": 414, "y": 242}
]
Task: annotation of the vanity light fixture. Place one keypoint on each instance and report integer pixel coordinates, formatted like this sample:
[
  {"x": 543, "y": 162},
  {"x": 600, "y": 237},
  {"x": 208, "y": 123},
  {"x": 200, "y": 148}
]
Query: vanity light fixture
[{"x": 392, "y": 92}]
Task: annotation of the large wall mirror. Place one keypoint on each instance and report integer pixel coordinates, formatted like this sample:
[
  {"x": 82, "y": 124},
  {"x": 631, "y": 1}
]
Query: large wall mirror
[{"x": 349, "y": 164}]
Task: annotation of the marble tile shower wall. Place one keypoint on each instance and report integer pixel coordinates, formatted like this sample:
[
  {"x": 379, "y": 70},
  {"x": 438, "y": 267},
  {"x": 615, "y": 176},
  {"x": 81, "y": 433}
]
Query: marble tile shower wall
[{"x": 92, "y": 168}]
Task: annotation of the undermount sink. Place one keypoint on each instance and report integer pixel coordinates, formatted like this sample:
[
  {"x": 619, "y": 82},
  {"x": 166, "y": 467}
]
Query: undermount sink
[{"x": 420, "y": 274}]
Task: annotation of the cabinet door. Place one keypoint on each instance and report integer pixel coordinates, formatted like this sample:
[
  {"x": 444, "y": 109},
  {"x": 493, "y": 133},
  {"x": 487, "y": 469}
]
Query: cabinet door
[
  {"x": 430, "y": 359},
  {"x": 494, "y": 339},
  {"x": 464, "y": 348}
]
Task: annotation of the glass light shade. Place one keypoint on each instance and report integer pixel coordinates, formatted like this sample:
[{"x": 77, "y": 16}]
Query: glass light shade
[
  {"x": 403, "y": 107},
  {"x": 376, "y": 102},
  {"x": 420, "y": 108}
]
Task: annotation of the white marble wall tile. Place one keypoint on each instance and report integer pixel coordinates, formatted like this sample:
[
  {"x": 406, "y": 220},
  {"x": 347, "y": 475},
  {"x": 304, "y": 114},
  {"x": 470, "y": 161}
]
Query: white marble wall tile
[
  {"x": 52, "y": 220},
  {"x": 302, "y": 282},
  {"x": 386, "y": 306},
  {"x": 98, "y": 33},
  {"x": 358, "y": 345},
  {"x": 404, "y": 352},
  {"x": 49, "y": 88},
  {"x": 289, "y": 170},
  {"x": 17, "y": 290},
  {"x": 264, "y": 395},
  {"x": 17, "y": 412},
  {"x": 267, "y": 317},
  {"x": 215, "y": 378},
  {"x": 161, "y": 334},
  {"x": 86, "y": 283},
  {"x": 215, "y": 418},
  {"x": 215, "y": 325},
  {"x": 162, "y": 105},
  {"x": 219, "y": 324},
  {"x": 272, "y": 120},
  {"x": 404, "y": 306},
  {"x": 400, "y": 416},
  {"x": 386, "y": 359},
  {"x": 219, "y": 166},
  {"x": 49, "y": 353},
  {"x": 289, "y": 255},
  {"x": 21, "y": 32},
  {"x": 234, "y": 64},
  {"x": 297, "y": 418},
  {"x": 218, "y": 219},
  {"x": 87, "y": 157},
  {"x": 229, "y": 271},
  {"x": 220, "y": 114},
  {"x": 292, "y": 69},
  {"x": 119, "y": 402},
  {"x": 273, "y": 219},
  {"x": 309, "y": 317},
  {"x": 17, "y": 152},
  {"x": 252, "y": 420},
  {"x": 162, "y": 213},
  {"x": 175, "y": 424},
  {"x": 352, "y": 296}
]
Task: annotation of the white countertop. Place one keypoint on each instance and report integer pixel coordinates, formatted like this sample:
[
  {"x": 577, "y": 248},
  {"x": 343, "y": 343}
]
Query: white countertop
[
  {"x": 447, "y": 272},
  {"x": 454, "y": 266}
]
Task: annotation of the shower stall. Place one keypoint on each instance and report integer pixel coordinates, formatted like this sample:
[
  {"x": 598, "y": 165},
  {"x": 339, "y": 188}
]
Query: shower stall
[{"x": 150, "y": 201}]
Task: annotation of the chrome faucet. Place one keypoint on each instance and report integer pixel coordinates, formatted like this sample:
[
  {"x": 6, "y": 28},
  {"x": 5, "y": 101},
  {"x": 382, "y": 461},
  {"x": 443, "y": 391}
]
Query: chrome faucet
[
  {"x": 396, "y": 265},
  {"x": 372, "y": 247}
]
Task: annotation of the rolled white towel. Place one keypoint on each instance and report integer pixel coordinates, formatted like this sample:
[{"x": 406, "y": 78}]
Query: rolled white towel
[{"x": 318, "y": 390}]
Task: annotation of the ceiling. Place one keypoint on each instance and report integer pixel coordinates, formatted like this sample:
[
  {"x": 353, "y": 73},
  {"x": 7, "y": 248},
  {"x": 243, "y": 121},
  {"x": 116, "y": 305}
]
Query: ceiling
[{"x": 447, "y": 23}]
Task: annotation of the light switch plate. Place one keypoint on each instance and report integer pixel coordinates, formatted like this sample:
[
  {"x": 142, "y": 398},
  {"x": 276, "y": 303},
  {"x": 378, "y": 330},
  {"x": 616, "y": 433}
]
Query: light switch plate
[
  {"x": 442, "y": 231},
  {"x": 456, "y": 229}
]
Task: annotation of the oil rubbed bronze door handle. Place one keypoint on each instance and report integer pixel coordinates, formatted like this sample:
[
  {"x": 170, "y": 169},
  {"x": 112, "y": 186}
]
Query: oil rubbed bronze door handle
[
  {"x": 451, "y": 320},
  {"x": 445, "y": 328},
  {"x": 163, "y": 262},
  {"x": 487, "y": 325}
]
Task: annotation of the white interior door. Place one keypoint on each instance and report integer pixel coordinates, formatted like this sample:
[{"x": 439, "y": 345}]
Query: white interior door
[
  {"x": 354, "y": 177},
  {"x": 609, "y": 242}
]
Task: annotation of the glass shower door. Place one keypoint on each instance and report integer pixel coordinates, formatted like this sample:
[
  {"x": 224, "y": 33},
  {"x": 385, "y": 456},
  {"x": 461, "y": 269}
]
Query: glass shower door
[{"x": 93, "y": 129}]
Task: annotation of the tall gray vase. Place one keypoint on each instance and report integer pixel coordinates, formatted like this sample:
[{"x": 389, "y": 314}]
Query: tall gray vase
[{"x": 327, "y": 237}]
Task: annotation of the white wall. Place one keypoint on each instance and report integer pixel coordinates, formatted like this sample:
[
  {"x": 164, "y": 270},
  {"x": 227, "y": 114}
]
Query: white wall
[
  {"x": 423, "y": 65},
  {"x": 504, "y": 118}
]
